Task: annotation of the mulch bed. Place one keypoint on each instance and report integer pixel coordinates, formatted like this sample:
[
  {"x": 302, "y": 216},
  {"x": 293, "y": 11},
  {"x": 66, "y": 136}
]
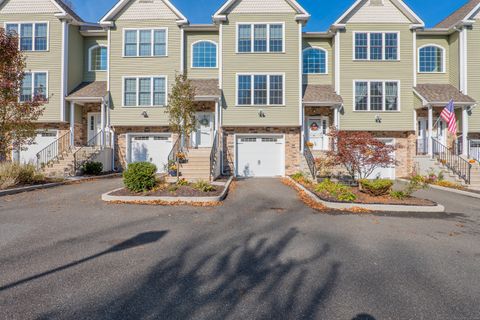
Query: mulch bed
[
  {"x": 182, "y": 191},
  {"x": 363, "y": 198}
]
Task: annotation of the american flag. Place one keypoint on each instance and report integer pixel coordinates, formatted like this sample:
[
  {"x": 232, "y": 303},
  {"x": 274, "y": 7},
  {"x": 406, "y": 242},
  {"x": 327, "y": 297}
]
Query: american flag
[{"x": 448, "y": 114}]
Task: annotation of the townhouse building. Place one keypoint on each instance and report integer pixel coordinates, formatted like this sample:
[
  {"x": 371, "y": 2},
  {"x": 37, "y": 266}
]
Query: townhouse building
[{"x": 267, "y": 92}]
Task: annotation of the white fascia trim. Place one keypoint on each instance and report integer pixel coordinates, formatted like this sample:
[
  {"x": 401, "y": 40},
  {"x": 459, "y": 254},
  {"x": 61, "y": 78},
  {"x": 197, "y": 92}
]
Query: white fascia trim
[
  {"x": 116, "y": 9},
  {"x": 424, "y": 101},
  {"x": 219, "y": 15},
  {"x": 469, "y": 16}
]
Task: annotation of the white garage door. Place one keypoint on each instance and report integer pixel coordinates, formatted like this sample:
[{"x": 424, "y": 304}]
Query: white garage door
[
  {"x": 388, "y": 172},
  {"x": 42, "y": 140},
  {"x": 153, "y": 148},
  {"x": 260, "y": 156}
]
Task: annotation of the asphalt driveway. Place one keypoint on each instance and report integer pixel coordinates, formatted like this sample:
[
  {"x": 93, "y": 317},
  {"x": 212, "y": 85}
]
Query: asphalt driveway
[{"x": 64, "y": 254}]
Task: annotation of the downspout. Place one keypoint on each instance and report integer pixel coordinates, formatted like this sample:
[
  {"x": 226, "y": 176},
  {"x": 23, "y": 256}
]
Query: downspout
[{"x": 64, "y": 67}]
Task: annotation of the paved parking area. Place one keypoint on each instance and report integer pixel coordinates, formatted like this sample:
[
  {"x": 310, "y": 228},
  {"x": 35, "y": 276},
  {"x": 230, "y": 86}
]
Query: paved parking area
[{"x": 64, "y": 254}]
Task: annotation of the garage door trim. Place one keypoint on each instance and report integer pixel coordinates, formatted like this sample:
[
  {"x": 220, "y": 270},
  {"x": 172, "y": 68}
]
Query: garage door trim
[
  {"x": 236, "y": 136},
  {"x": 129, "y": 137}
]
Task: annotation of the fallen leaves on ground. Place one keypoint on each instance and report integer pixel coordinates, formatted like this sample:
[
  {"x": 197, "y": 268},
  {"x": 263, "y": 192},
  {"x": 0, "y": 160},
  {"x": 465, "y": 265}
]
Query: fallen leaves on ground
[{"x": 171, "y": 204}]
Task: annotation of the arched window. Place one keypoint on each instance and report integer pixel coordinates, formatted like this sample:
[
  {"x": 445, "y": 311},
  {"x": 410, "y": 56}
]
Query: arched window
[
  {"x": 204, "y": 54},
  {"x": 97, "y": 60},
  {"x": 314, "y": 61},
  {"x": 431, "y": 59}
]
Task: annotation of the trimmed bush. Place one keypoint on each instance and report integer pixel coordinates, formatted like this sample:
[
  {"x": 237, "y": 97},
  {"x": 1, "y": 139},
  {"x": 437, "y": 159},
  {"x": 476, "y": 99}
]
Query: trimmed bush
[
  {"x": 376, "y": 188},
  {"x": 140, "y": 176},
  {"x": 336, "y": 190},
  {"x": 92, "y": 168}
]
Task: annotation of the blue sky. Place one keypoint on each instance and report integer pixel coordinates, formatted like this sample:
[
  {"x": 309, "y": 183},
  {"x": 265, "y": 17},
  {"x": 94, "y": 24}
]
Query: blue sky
[{"x": 324, "y": 12}]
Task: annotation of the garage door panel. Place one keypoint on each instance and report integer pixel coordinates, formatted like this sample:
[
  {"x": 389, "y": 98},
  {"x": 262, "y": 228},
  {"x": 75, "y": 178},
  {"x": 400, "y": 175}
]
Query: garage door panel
[
  {"x": 41, "y": 141},
  {"x": 260, "y": 156},
  {"x": 386, "y": 172},
  {"x": 151, "y": 148}
]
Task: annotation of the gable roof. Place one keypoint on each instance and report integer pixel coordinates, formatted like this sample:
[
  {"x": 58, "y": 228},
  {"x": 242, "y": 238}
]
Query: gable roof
[
  {"x": 440, "y": 94},
  {"x": 463, "y": 13},
  {"x": 402, "y": 6},
  {"x": 122, "y": 3},
  {"x": 63, "y": 8},
  {"x": 220, "y": 15}
]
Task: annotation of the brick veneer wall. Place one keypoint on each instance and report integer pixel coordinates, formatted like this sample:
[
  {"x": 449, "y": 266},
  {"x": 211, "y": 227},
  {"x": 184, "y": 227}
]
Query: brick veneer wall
[{"x": 292, "y": 145}]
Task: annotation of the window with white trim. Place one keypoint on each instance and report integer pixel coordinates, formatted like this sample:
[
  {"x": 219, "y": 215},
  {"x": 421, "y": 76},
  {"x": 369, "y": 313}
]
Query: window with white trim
[
  {"x": 376, "y": 95},
  {"x": 145, "y": 91},
  {"x": 98, "y": 58},
  {"x": 34, "y": 84},
  {"x": 31, "y": 36},
  {"x": 260, "y": 37},
  {"x": 204, "y": 54},
  {"x": 431, "y": 59},
  {"x": 314, "y": 61},
  {"x": 145, "y": 42},
  {"x": 376, "y": 46},
  {"x": 260, "y": 90}
]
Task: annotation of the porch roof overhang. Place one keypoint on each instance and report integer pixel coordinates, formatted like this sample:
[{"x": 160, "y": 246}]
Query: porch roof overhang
[
  {"x": 206, "y": 89},
  {"x": 317, "y": 95},
  {"x": 89, "y": 92},
  {"x": 440, "y": 94}
]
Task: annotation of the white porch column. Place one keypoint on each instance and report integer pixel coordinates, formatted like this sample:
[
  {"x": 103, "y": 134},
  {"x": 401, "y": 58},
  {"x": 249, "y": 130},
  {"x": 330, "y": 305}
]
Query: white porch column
[
  {"x": 302, "y": 128},
  {"x": 336, "y": 117},
  {"x": 430, "y": 130},
  {"x": 217, "y": 116},
  {"x": 102, "y": 134},
  {"x": 72, "y": 123},
  {"x": 465, "y": 131}
]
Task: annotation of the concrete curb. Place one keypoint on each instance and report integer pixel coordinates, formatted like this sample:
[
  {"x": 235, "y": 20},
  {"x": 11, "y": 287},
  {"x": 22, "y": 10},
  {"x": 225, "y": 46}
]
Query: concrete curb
[
  {"x": 93, "y": 178},
  {"x": 31, "y": 188},
  {"x": 461, "y": 192},
  {"x": 370, "y": 207},
  {"x": 145, "y": 199}
]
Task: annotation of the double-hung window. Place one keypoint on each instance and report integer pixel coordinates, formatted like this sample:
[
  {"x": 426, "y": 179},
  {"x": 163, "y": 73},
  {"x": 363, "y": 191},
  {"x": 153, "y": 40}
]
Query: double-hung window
[
  {"x": 145, "y": 42},
  {"x": 260, "y": 89},
  {"x": 144, "y": 91},
  {"x": 260, "y": 37},
  {"x": 376, "y": 46},
  {"x": 34, "y": 84},
  {"x": 31, "y": 36},
  {"x": 376, "y": 95}
]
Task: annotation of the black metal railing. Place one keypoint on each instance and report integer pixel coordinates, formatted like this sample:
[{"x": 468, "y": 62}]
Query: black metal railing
[
  {"x": 54, "y": 150},
  {"x": 447, "y": 157},
  {"x": 173, "y": 155},
  {"x": 88, "y": 151},
  {"x": 307, "y": 153},
  {"x": 213, "y": 156}
]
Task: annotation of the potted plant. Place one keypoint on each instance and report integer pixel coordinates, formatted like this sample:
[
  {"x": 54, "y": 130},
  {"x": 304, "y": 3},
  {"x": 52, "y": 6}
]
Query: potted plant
[
  {"x": 172, "y": 168},
  {"x": 182, "y": 157},
  {"x": 310, "y": 144}
]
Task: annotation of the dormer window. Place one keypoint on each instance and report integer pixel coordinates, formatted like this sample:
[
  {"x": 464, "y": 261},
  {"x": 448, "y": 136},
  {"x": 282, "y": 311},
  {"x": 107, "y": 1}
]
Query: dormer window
[
  {"x": 31, "y": 36},
  {"x": 376, "y": 46},
  {"x": 260, "y": 37}
]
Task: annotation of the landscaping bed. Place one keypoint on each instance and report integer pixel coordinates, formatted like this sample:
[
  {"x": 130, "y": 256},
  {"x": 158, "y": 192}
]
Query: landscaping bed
[{"x": 173, "y": 190}]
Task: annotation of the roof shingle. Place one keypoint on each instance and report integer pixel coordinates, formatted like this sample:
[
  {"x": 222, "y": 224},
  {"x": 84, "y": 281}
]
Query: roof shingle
[
  {"x": 442, "y": 93},
  {"x": 96, "y": 89},
  {"x": 206, "y": 87},
  {"x": 321, "y": 94},
  {"x": 458, "y": 15}
]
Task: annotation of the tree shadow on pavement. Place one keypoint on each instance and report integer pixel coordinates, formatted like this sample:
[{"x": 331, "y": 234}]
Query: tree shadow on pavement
[
  {"x": 139, "y": 240},
  {"x": 252, "y": 278}
]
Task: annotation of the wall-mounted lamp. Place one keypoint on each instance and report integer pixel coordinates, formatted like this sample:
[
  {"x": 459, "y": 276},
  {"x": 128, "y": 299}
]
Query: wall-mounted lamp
[
  {"x": 378, "y": 119},
  {"x": 145, "y": 114},
  {"x": 261, "y": 114}
]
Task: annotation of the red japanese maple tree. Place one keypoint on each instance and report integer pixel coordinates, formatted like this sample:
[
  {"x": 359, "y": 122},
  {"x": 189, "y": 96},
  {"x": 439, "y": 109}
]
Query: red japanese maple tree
[
  {"x": 17, "y": 119},
  {"x": 360, "y": 153}
]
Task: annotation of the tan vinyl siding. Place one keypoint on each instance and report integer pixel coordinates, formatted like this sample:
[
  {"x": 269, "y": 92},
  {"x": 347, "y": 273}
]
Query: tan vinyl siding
[
  {"x": 437, "y": 77},
  {"x": 45, "y": 60},
  {"x": 417, "y": 102},
  {"x": 199, "y": 73},
  {"x": 325, "y": 44},
  {"x": 473, "y": 43},
  {"x": 88, "y": 43},
  {"x": 377, "y": 70},
  {"x": 454, "y": 64},
  {"x": 75, "y": 58},
  {"x": 287, "y": 63},
  {"x": 145, "y": 66}
]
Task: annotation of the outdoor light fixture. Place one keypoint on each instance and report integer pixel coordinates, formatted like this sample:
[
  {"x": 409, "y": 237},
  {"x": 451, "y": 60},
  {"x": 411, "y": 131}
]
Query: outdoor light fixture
[
  {"x": 261, "y": 114},
  {"x": 378, "y": 119},
  {"x": 145, "y": 114}
]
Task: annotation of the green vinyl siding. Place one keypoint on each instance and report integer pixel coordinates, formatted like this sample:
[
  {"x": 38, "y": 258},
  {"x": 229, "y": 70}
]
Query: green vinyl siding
[
  {"x": 75, "y": 58},
  {"x": 377, "y": 70},
  {"x": 454, "y": 61},
  {"x": 199, "y": 73},
  {"x": 88, "y": 43},
  {"x": 473, "y": 64},
  {"x": 436, "y": 77},
  {"x": 120, "y": 67},
  {"x": 264, "y": 63},
  {"x": 49, "y": 61},
  {"x": 325, "y": 44}
]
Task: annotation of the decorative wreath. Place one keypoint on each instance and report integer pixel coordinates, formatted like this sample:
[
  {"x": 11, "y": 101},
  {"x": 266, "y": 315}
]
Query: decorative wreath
[{"x": 204, "y": 122}]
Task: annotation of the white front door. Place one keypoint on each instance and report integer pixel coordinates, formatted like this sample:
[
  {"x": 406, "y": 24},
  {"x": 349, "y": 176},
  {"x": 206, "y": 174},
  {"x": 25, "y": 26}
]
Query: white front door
[
  {"x": 422, "y": 138},
  {"x": 260, "y": 156},
  {"x": 203, "y": 134},
  {"x": 153, "y": 148},
  {"x": 94, "y": 127},
  {"x": 439, "y": 133},
  {"x": 318, "y": 133}
]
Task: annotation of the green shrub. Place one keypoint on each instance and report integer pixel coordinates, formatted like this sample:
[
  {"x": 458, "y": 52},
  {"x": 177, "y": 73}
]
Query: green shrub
[
  {"x": 336, "y": 190},
  {"x": 140, "y": 176},
  {"x": 400, "y": 195},
  {"x": 300, "y": 177},
  {"x": 204, "y": 186},
  {"x": 12, "y": 174},
  {"x": 172, "y": 188},
  {"x": 183, "y": 182},
  {"x": 92, "y": 168},
  {"x": 376, "y": 188}
]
